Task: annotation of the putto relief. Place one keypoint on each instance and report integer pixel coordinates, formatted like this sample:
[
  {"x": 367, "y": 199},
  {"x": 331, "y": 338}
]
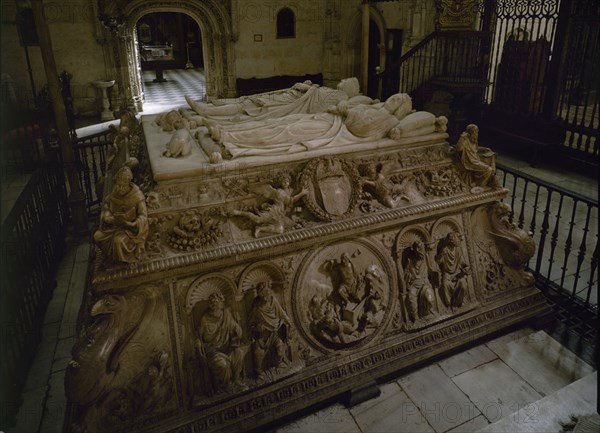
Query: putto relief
[
  {"x": 342, "y": 296},
  {"x": 278, "y": 210}
]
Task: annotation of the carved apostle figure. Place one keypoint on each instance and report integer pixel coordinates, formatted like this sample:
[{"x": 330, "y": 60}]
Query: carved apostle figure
[
  {"x": 418, "y": 291},
  {"x": 219, "y": 344},
  {"x": 479, "y": 162},
  {"x": 124, "y": 220},
  {"x": 453, "y": 271},
  {"x": 269, "y": 327}
]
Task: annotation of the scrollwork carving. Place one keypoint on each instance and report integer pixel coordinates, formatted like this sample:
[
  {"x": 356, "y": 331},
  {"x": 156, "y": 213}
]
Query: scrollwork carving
[
  {"x": 516, "y": 246},
  {"x": 439, "y": 182}
]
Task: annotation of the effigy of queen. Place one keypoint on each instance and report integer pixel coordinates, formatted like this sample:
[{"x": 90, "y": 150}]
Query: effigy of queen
[{"x": 256, "y": 256}]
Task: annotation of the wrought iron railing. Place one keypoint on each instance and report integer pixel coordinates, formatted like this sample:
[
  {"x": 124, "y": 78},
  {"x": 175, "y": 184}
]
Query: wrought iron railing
[
  {"x": 564, "y": 225},
  {"x": 32, "y": 243},
  {"x": 22, "y": 149},
  {"x": 450, "y": 56},
  {"x": 543, "y": 74},
  {"x": 91, "y": 153}
]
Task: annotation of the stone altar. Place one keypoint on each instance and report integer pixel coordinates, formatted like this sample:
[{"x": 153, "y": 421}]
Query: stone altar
[{"x": 269, "y": 283}]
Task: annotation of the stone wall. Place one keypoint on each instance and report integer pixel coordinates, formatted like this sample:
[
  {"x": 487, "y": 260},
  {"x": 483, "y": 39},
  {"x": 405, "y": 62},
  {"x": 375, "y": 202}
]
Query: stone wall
[
  {"x": 327, "y": 42},
  {"x": 258, "y": 51},
  {"x": 77, "y": 50}
]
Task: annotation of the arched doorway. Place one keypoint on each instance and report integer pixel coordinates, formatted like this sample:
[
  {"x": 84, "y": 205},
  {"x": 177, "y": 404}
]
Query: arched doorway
[
  {"x": 170, "y": 58},
  {"x": 376, "y": 49},
  {"x": 214, "y": 23}
]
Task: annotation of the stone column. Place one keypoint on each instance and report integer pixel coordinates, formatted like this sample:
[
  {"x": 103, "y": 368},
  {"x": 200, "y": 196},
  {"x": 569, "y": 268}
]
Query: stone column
[
  {"x": 76, "y": 197},
  {"x": 364, "y": 48}
]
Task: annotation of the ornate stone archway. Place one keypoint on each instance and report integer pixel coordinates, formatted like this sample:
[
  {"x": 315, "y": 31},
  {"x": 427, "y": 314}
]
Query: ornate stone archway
[
  {"x": 214, "y": 21},
  {"x": 353, "y": 41}
]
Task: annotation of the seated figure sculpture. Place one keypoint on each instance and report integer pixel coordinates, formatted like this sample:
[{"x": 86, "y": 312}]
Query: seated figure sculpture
[
  {"x": 480, "y": 162},
  {"x": 219, "y": 345},
  {"x": 340, "y": 125},
  {"x": 300, "y": 98},
  {"x": 125, "y": 226}
]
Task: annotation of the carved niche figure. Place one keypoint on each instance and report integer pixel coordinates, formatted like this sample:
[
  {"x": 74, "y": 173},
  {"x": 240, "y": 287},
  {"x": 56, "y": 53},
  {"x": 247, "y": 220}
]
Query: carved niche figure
[
  {"x": 417, "y": 291},
  {"x": 453, "y": 269},
  {"x": 269, "y": 329},
  {"x": 274, "y": 216},
  {"x": 516, "y": 246},
  {"x": 388, "y": 193},
  {"x": 124, "y": 220},
  {"x": 480, "y": 162},
  {"x": 220, "y": 347}
]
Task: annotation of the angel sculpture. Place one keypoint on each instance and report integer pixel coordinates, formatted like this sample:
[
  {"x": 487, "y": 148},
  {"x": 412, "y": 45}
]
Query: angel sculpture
[{"x": 274, "y": 216}]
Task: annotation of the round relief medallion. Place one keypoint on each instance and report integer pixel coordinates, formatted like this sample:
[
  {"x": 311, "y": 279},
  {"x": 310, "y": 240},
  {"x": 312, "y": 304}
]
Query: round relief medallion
[{"x": 342, "y": 295}]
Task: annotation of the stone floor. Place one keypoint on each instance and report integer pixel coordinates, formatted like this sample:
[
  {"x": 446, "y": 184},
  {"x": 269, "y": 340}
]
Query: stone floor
[{"x": 521, "y": 381}]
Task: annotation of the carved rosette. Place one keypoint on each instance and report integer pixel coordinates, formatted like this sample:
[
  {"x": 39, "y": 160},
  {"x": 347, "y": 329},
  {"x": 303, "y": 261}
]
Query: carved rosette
[
  {"x": 334, "y": 188},
  {"x": 343, "y": 295}
]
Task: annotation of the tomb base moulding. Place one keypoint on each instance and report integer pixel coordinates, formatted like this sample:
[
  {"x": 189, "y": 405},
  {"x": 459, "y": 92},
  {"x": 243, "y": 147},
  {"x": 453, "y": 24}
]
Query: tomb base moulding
[{"x": 263, "y": 287}]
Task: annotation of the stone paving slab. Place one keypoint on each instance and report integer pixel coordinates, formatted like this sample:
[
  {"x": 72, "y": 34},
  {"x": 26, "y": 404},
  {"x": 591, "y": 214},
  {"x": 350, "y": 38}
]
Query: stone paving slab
[
  {"x": 496, "y": 390},
  {"x": 545, "y": 415},
  {"x": 467, "y": 360},
  {"x": 438, "y": 398},
  {"x": 392, "y": 411},
  {"x": 333, "y": 419},
  {"x": 542, "y": 362}
]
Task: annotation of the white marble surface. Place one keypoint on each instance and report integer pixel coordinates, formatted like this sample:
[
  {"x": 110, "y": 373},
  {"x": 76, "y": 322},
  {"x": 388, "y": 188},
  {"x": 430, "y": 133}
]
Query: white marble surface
[
  {"x": 545, "y": 415},
  {"x": 197, "y": 163}
]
